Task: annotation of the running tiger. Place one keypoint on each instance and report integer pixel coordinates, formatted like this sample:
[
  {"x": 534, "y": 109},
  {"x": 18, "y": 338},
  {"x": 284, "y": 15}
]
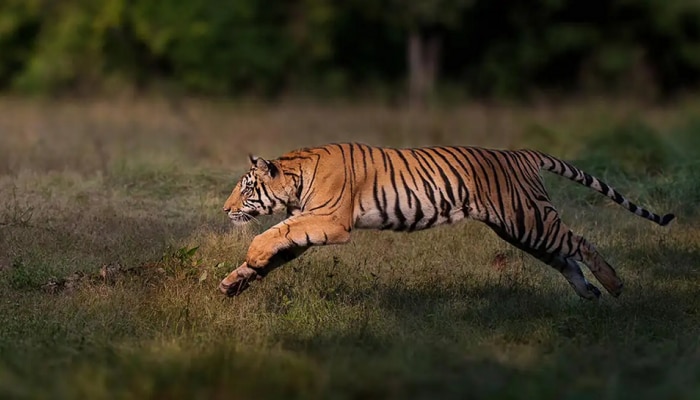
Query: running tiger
[{"x": 330, "y": 190}]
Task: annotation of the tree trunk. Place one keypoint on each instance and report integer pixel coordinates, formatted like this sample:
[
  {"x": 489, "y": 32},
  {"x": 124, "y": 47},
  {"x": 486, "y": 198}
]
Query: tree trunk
[{"x": 423, "y": 64}]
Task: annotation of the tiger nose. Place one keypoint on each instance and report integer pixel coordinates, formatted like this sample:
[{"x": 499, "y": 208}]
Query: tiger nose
[{"x": 227, "y": 209}]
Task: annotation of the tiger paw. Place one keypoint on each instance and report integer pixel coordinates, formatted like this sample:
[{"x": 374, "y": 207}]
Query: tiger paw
[
  {"x": 238, "y": 280},
  {"x": 235, "y": 288},
  {"x": 594, "y": 292}
]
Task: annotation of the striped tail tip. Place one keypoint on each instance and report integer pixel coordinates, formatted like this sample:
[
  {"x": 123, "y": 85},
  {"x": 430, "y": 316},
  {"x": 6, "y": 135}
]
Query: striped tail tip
[{"x": 666, "y": 219}]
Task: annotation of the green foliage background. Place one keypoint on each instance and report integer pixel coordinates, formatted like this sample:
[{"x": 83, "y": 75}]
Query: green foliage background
[{"x": 231, "y": 47}]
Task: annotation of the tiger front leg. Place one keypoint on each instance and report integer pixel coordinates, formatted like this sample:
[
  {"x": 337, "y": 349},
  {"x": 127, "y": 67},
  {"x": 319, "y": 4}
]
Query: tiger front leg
[
  {"x": 280, "y": 244},
  {"x": 240, "y": 278}
]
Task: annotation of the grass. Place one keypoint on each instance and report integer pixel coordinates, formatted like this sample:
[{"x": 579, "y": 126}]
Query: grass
[{"x": 112, "y": 244}]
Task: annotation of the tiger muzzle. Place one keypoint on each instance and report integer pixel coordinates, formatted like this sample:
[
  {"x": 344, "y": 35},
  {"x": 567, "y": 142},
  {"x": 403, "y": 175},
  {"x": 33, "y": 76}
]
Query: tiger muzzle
[{"x": 239, "y": 217}]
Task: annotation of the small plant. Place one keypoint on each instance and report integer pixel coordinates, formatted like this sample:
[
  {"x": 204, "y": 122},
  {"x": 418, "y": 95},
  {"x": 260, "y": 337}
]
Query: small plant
[
  {"x": 185, "y": 255},
  {"x": 23, "y": 276},
  {"x": 182, "y": 261},
  {"x": 16, "y": 213}
]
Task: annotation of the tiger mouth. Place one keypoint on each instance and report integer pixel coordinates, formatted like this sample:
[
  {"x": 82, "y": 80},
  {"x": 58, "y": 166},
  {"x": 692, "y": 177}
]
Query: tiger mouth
[{"x": 241, "y": 217}]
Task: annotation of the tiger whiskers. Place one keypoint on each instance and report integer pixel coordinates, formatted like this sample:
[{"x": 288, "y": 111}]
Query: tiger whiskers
[
  {"x": 254, "y": 219},
  {"x": 246, "y": 217}
]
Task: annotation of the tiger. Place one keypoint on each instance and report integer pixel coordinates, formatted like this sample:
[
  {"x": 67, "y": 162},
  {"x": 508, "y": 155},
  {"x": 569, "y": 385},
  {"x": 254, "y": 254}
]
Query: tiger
[{"x": 330, "y": 190}]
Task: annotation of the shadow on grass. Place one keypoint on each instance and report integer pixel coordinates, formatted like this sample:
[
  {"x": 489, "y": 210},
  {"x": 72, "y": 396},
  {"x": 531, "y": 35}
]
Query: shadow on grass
[
  {"x": 185, "y": 372},
  {"x": 478, "y": 338},
  {"x": 439, "y": 338},
  {"x": 490, "y": 340}
]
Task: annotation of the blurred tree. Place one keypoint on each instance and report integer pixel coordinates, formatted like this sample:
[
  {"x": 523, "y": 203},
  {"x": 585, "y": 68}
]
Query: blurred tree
[
  {"x": 310, "y": 30},
  {"x": 221, "y": 47},
  {"x": 512, "y": 47},
  {"x": 671, "y": 35},
  {"x": 19, "y": 25},
  {"x": 489, "y": 48},
  {"x": 423, "y": 22}
]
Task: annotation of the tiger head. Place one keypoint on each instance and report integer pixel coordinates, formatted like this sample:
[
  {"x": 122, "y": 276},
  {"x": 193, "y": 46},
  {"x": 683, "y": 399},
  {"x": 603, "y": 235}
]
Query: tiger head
[{"x": 261, "y": 191}]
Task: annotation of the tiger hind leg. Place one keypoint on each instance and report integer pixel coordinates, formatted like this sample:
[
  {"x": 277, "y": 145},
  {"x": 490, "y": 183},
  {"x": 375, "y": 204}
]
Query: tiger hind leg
[
  {"x": 573, "y": 274},
  {"x": 576, "y": 248},
  {"x": 603, "y": 272}
]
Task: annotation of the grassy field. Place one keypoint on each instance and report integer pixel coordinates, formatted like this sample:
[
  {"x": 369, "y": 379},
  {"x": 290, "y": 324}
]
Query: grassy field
[{"x": 112, "y": 243}]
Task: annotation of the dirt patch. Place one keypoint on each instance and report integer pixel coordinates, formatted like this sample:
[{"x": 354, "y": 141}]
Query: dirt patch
[{"x": 108, "y": 274}]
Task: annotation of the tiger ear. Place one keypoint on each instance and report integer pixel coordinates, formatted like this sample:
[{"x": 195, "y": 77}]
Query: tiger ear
[
  {"x": 253, "y": 159},
  {"x": 264, "y": 166}
]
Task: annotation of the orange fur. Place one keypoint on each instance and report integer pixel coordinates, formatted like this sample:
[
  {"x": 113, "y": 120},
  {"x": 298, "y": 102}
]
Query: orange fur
[{"x": 328, "y": 191}]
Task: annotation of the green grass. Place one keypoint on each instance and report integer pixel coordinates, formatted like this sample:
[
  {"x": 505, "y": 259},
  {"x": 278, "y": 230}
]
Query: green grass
[{"x": 112, "y": 244}]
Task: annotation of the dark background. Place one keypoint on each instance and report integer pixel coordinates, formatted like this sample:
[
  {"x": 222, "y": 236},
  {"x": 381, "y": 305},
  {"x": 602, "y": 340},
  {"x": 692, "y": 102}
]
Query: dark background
[{"x": 510, "y": 49}]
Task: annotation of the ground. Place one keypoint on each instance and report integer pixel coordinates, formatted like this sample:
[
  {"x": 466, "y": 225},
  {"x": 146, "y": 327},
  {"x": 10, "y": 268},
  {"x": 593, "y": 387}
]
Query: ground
[{"x": 112, "y": 243}]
